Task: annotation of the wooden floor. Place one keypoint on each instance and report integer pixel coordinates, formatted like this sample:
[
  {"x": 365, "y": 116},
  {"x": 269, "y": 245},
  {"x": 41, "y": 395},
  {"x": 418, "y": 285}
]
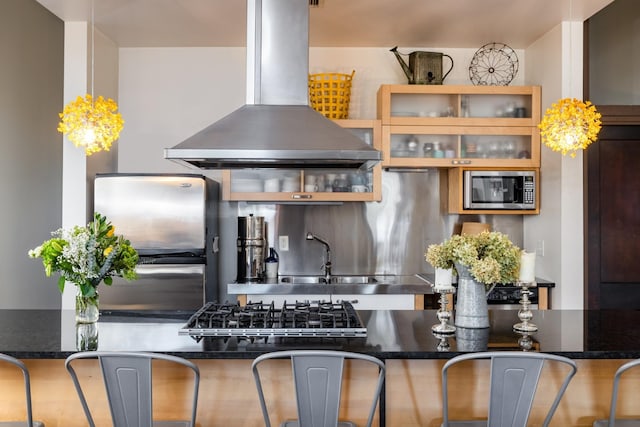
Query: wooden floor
[{"x": 228, "y": 396}]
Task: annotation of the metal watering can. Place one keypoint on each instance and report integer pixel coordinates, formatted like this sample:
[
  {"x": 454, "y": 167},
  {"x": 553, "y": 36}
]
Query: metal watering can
[{"x": 425, "y": 68}]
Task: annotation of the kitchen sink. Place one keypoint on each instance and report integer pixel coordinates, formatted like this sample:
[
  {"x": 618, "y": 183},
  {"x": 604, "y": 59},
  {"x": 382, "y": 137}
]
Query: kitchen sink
[
  {"x": 337, "y": 279},
  {"x": 301, "y": 279}
]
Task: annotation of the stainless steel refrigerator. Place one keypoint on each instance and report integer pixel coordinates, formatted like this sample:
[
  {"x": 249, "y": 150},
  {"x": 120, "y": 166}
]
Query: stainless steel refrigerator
[{"x": 172, "y": 221}]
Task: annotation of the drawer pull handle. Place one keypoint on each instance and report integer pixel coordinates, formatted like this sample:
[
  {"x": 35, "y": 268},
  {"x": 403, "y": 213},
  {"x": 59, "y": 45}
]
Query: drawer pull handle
[{"x": 301, "y": 196}]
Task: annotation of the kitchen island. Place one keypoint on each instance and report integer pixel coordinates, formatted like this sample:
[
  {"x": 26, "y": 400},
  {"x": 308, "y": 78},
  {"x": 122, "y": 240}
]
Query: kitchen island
[{"x": 600, "y": 340}]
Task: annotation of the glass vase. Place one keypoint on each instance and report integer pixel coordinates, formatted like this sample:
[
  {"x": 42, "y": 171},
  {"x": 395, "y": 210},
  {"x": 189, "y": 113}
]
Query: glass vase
[
  {"x": 87, "y": 336},
  {"x": 87, "y": 308}
]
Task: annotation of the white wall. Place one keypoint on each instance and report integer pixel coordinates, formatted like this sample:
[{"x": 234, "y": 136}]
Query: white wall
[
  {"x": 377, "y": 66},
  {"x": 544, "y": 59},
  {"x": 168, "y": 94},
  {"x": 31, "y": 48},
  {"x": 559, "y": 227}
]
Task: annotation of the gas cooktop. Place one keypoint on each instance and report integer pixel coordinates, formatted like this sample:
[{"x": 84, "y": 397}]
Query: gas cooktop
[{"x": 258, "y": 319}]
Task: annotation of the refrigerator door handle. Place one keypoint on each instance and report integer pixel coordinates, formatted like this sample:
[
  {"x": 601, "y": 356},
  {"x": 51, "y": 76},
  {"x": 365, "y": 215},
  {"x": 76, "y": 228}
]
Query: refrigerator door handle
[
  {"x": 158, "y": 287},
  {"x": 215, "y": 246},
  {"x": 146, "y": 271}
]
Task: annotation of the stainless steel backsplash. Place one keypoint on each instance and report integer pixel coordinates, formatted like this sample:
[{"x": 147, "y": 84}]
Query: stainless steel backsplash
[{"x": 387, "y": 237}]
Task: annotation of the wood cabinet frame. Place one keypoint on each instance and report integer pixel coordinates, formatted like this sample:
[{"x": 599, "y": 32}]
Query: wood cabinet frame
[
  {"x": 310, "y": 197},
  {"x": 456, "y": 194},
  {"x": 458, "y": 124}
]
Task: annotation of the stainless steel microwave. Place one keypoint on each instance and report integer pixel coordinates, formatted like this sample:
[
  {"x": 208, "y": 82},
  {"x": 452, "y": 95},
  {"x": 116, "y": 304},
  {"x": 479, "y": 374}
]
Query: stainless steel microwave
[{"x": 510, "y": 189}]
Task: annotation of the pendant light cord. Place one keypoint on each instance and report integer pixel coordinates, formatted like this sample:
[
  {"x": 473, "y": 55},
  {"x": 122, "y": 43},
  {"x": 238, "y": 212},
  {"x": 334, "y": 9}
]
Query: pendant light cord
[
  {"x": 92, "y": 46},
  {"x": 570, "y": 48}
]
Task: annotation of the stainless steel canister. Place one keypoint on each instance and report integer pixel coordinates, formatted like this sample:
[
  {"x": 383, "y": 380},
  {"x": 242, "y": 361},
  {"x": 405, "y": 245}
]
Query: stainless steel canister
[{"x": 251, "y": 247}]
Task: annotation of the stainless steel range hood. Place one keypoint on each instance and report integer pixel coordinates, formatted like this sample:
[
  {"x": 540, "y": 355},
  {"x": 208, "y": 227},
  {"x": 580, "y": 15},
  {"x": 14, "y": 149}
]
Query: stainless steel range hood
[{"x": 277, "y": 128}]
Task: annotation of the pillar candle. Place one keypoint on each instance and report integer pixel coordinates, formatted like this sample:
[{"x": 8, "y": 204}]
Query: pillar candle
[
  {"x": 443, "y": 278},
  {"x": 527, "y": 267}
]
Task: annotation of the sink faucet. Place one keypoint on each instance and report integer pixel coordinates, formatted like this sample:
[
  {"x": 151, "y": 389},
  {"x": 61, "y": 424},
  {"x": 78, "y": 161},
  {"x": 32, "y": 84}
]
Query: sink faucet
[{"x": 326, "y": 267}]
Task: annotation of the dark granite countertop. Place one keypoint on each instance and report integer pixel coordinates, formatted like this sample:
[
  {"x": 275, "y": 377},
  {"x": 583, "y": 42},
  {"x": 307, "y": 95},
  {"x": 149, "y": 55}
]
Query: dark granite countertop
[{"x": 401, "y": 334}]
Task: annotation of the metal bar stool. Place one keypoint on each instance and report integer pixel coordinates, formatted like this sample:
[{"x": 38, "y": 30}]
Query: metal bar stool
[
  {"x": 27, "y": 386},
  {"x": 514, "y": 379},
  {"x": 317, "y": 376},
  {"x": 613, "y": 421},
  {"x": 128, "y": 380}
]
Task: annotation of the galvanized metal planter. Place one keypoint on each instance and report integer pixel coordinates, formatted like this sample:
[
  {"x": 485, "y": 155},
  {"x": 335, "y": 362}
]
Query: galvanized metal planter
[{"x": 471, "y": 306}]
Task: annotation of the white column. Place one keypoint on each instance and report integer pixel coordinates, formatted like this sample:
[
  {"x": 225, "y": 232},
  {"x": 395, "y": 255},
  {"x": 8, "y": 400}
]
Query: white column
[
  {"x": 571, "y": 289},
  {"x": 74, "y": 160}
]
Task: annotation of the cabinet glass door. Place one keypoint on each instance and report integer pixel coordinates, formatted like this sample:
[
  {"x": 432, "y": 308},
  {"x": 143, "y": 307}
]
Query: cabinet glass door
[
  {"x": 446, "y": 146},
  {"x": 496, "y": 106},
  {"x": 424, "y": 105},
  {"x": 508, "y": 147},
  {"x": 265, "y": 180}
]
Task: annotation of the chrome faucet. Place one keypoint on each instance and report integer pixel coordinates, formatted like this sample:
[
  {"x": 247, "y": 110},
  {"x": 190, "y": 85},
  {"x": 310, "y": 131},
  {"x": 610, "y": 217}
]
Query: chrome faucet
[{"x": 326, "y": 267}]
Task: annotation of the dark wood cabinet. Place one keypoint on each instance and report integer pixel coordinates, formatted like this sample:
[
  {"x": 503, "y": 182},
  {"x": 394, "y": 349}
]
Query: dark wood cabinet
[{"x": 613, "y": 219}]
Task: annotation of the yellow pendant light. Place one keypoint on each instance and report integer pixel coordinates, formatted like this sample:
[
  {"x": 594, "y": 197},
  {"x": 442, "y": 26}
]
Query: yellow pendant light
[
  {"x": 570, "y": 124},
  {"x": 91, "y": 123}
]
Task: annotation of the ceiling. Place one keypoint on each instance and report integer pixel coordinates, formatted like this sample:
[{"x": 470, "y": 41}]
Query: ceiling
[{"x": 335, "y": 23}]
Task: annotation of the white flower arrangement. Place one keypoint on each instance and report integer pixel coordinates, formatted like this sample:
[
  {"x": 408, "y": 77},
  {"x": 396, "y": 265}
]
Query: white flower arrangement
[{"x": 87, "y": 256}]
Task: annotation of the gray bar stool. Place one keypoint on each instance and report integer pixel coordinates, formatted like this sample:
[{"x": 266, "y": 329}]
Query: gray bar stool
[
  {"x": 317, "y": 376},
  {"x": 613, "y": 421},
  {"x": 128, "y": 379},
  {"x": 27, "y": 386},
  {"x": 513, "y": 384}
]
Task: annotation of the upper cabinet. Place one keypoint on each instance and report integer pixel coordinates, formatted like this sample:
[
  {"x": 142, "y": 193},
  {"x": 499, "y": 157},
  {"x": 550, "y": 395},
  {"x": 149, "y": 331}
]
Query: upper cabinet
[
  {"x": 312, "y": 185},
  {"x": 452, "y": 126}
]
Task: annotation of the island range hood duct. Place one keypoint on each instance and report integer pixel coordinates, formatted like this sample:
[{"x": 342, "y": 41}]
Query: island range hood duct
[{"x": 277, "y": 128}]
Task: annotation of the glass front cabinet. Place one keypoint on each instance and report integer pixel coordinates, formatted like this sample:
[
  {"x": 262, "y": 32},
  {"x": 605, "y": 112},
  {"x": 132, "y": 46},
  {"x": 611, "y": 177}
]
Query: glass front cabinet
[
  {"x": 330, "y": 185},
  {"x": 453, "y": 126}
]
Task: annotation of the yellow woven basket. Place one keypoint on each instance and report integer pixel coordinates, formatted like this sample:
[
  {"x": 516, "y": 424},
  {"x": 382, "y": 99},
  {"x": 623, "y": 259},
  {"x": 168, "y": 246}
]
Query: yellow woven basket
[{"x": 330, "y": 93}]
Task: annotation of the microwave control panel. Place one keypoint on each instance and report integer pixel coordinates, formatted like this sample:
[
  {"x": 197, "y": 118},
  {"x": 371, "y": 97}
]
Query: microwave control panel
[{"x": 529, "y": 191}]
